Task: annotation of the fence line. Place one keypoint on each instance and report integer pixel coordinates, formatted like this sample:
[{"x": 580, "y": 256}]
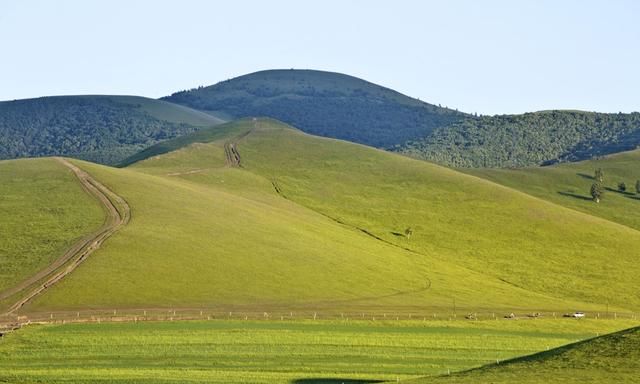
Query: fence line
[{"x": 135, "y": 315}]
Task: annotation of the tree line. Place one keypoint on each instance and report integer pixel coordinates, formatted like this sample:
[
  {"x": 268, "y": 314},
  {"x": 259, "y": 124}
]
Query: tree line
[
  {"x": 530, "y": 139},
  {"x": 98, "y": 129}
]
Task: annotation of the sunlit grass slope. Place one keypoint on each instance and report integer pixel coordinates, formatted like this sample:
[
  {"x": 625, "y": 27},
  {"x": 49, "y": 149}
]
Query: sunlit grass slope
[
  {"x": 505, "y": 235},
  {"x": 613, "y": 358},
  {"x": 43, "y": 210},
  {"x": 297, "y": 352},
  {"x": 192, "y": 245},
  {"x": 569, "y": 185},
  {"x": 222, "y": 237},
  {"x": 205, "y": 234},
  {"x": 464, "y": 220}
]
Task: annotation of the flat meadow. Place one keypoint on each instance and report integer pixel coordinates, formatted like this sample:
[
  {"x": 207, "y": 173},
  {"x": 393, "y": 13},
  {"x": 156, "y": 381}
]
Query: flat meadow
[{"x": 274, "y": 351}]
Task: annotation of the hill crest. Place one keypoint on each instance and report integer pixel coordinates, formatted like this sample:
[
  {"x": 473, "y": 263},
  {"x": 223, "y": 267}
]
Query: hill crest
[{"x": 323, "y": 103}]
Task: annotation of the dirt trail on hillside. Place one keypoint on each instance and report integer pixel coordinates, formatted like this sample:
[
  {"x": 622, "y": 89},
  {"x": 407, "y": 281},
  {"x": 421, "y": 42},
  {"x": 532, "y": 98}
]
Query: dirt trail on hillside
[
  {"x": 118, "y": 215},
  {"x": 232, "y": 156}
]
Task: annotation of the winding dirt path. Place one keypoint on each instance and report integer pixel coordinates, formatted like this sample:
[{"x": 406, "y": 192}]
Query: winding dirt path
[{"x": 118, "y": 215}]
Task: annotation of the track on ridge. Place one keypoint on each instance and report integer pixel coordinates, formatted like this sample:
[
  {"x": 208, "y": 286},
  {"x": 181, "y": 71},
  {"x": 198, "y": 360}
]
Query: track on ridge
[
  {"x": 232, "y": 156},
  {"x": 118, "y": 215}
]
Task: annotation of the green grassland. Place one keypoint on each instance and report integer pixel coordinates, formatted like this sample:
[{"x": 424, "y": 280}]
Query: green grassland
[
  {"x": 569, "y": 185},
  {"x": 613, "y": 358},
  {"x": 310, "y": 224},
  {"x": 204, "y": 234},
  {"x": 44, "y": 210},
  {"x": 274, "y": 351},
  {"x": 192, "y": 245},
  {"x": 496, "y": 231}
]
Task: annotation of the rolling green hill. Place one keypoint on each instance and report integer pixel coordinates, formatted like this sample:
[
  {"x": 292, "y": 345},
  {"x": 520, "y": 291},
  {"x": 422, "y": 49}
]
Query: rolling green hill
[
  {"x": 43, "y": 210},
  {"x": 318, "y": 224},
  {"x": 103, "y": 129},
  {"x": 323, "y": 103},
  {"x": 569, "y": 185},
  {"x": 529, "y": 139},
  {"x": 613, "y": 358}
]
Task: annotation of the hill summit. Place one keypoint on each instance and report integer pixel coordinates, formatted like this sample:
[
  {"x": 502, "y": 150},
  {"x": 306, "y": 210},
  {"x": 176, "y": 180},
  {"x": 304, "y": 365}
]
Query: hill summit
[{"x": 323, "y": 103}]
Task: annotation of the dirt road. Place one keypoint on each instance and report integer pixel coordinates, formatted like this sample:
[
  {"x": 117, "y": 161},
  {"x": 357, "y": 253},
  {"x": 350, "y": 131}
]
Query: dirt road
[
  {"x": 231, "y": 147},
  {"x": 118, "y": 214}
]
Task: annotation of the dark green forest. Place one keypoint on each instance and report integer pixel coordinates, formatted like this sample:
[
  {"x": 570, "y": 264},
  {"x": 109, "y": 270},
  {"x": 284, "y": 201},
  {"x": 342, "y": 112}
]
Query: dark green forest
[
  {"x": 96, "y": 128},
  {"x": 539, "y": 138},
  {"x": 323, "y": 103}
]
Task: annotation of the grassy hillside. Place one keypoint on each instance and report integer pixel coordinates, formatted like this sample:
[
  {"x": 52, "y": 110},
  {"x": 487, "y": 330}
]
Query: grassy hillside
[
  {"x": 613, "y": 358},
  {"x": 222, "y": 237},
  {"x": 569, "y": 185},
  {"x": 203, "y": 136},
  {"x": 323, "y": 103},
  {"x": 315, "y": 223},
  {"x": 296, "y": 352},
  {"x": 529, "y": 139},
  {"x": 44, "y": 210},
  {"x": 104, "y": 129},
  {"x": 495, "y": 231}
]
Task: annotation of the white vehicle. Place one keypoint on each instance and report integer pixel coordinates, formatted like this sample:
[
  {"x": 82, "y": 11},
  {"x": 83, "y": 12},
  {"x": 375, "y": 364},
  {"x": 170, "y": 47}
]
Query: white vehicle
[{"x": 575, "y": 315}]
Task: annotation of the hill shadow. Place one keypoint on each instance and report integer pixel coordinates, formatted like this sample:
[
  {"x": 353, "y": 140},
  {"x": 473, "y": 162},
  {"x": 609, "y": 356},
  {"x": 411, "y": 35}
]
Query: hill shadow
[
  {"x": 575, "y": 195},
  {"x": 625, "y": 193},
  {"x": 632, "y": 196},
  {"x": 333, "y": 380},
  {"x": 585, "y": 176}
]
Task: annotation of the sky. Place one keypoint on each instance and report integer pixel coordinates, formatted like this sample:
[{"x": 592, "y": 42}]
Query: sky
[{"x": 487, "y": 57}]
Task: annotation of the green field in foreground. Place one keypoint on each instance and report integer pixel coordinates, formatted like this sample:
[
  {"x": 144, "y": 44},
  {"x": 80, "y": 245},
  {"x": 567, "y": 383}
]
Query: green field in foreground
[
  {"x": 274, "y": 351},
  {"x": 569, "y": 185},
  {"x": 613, "y": 358},
  {"x": 43, "y": 210}
]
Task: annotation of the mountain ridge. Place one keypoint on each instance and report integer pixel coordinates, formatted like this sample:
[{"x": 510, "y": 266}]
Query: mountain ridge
[{"x": 323, "y": 103}]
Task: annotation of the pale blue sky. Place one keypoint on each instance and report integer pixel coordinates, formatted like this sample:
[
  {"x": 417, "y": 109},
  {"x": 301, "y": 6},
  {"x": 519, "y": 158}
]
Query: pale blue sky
[{"x": 479, "y": 56}]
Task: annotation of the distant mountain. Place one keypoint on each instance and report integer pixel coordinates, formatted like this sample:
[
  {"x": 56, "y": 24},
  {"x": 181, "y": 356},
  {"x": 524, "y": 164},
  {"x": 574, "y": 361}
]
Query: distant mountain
[
  {"x": 112, "y": 129},
  {"x": 323, "y": 103},
  {"x": 539, "y": 138},
  {"x": 103, "y": 129},
  {"x": 344, "y": 107}
]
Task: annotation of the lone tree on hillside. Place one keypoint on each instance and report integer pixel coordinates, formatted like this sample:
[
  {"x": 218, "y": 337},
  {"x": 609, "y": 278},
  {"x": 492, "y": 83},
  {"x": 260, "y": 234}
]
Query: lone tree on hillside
[
  {"x": 408, "y": 232},
  {"x": 599, "y": 176},
  {"x": 596, "y": 191},
  {"x": 638, "y": 186},
  {"x": 622, "y": 187}
]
